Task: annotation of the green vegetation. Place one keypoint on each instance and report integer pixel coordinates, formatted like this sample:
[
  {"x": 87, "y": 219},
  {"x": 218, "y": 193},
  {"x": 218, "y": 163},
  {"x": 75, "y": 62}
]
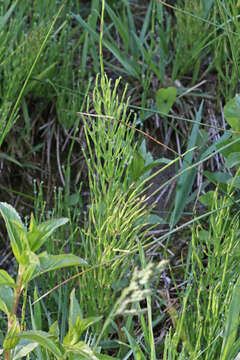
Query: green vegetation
[{"x": 120, "y": 179}]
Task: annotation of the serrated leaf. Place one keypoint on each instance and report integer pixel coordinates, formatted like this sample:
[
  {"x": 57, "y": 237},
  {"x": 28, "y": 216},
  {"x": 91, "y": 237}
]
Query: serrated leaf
[
  {"x": 15, "y": 228},
  {"x": 6, "y": 279},
  {"x": 165, "y": 99},
  {"x": 38, "y": 234},
  {"x": 44, "y": 339},
  {"x": 232, "y": 112}
]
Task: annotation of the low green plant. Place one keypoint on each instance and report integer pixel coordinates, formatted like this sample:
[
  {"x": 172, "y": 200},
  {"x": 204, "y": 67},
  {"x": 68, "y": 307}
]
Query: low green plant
[
  {"x": 25, "y": 245},
  {"x": 76, "y": 343}
]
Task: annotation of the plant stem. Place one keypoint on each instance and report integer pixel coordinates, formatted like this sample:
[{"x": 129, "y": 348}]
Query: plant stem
[{"x": 17, "y": 293}]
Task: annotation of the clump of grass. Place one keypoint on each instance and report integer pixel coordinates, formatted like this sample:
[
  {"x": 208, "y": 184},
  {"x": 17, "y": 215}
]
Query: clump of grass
[
  {"x": 205, "y": 327},
  {"x": 191, "y": 37},
  {"x": 226, "y": 50}
]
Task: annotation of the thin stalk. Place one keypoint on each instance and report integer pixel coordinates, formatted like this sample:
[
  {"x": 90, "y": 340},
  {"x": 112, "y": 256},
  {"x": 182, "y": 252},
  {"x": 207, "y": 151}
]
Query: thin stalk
[{"x": 101, "y": 38}]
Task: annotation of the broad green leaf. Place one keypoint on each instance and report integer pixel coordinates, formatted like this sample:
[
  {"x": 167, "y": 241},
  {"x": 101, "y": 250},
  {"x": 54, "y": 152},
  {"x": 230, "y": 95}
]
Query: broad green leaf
[
  {"x": 165, "y": 99},
  {"x": 6, "y": 299},
  {"x": 232, "y": 112},
  {"x": 38, "y": 234},
  {"x": 137, "y": 166},
  {"x": 6, "y": 279},
  {"x": 74, "y": 310},
  {"x": 22, "y": 350},
  {"x": 232, "y": 160},
  {"x": 54, "y": 262},
  {"x": 44, "y": 339},
  {"x": 15, "y": 228}
]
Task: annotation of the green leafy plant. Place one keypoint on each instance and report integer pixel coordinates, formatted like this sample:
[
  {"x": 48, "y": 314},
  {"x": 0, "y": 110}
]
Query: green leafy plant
[{"x": 25, "y": 245}]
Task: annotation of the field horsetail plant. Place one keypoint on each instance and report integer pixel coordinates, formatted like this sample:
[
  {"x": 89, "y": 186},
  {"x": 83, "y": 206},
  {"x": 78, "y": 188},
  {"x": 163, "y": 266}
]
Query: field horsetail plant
[{"x": 117, "y": 215}]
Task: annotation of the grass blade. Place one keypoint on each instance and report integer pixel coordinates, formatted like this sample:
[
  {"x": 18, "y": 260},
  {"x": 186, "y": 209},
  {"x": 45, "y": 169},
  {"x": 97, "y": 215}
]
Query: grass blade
[{"x": 186, "y": 180}]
